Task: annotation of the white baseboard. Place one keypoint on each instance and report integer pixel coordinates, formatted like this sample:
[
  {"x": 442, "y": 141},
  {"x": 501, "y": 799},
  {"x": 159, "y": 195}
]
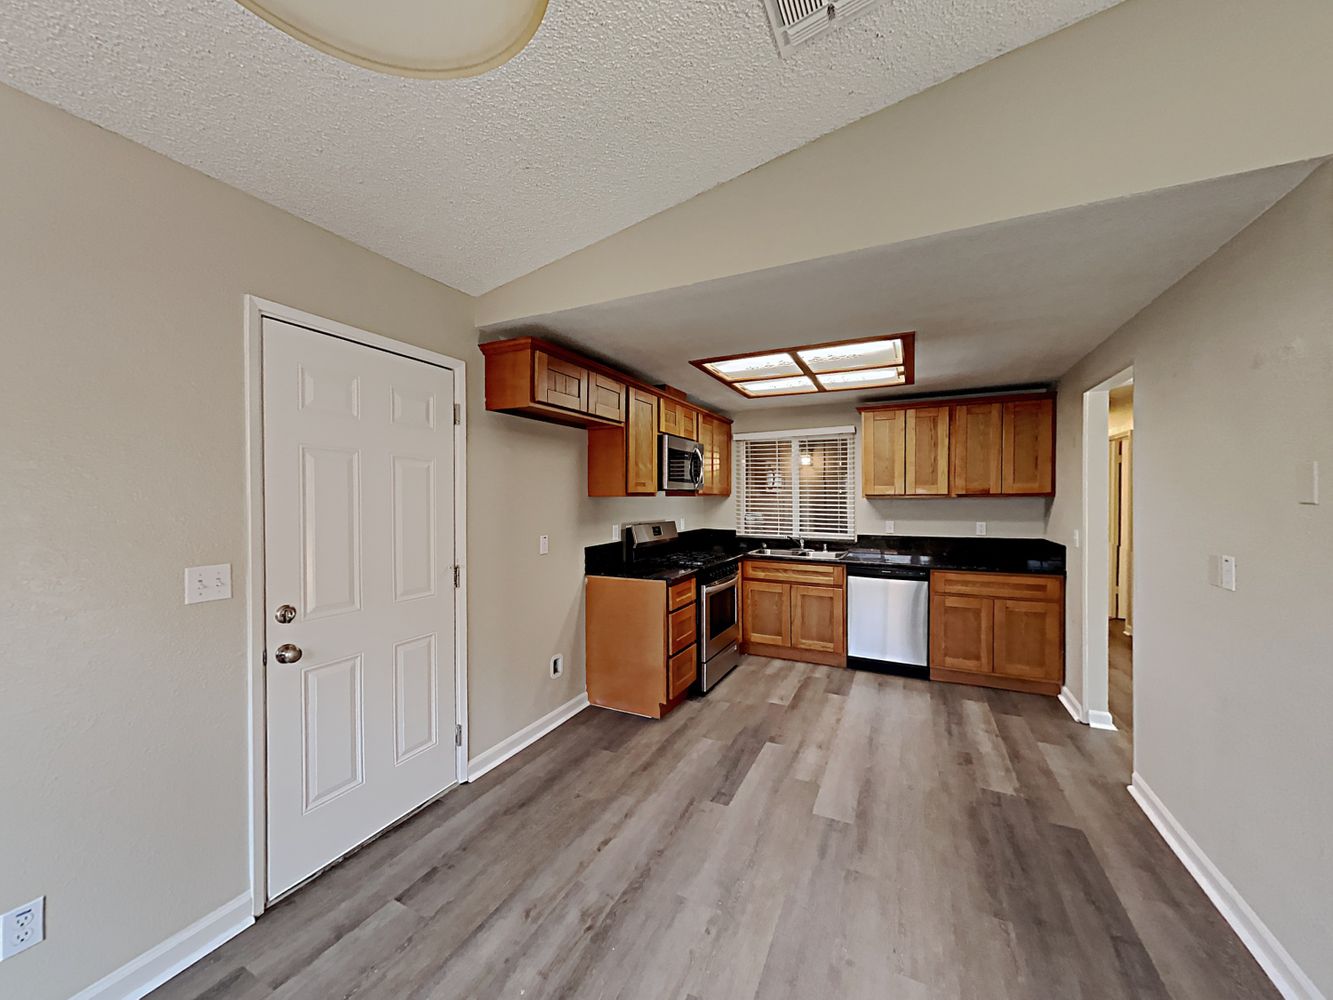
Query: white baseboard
[
  {"x": 524, "y": 738},
  {"x": 154, "y": 967},
  {"x": 1100, "y": 720},
  {"x": 1280, "y": 967},
  {"x": 1071, "y": 704}
]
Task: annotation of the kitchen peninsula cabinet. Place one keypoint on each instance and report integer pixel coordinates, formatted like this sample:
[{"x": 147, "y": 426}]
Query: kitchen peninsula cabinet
[{"x": 642, "y": 643}]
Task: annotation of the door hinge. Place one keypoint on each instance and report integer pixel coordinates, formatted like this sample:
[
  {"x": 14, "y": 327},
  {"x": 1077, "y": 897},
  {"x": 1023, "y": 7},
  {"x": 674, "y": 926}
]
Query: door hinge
[
  {"x": 458, "y": 576},
  {"x": 458, "y": 414},
  {"x": 458, "y": 735},
  {"x": 264, "y": 658}
]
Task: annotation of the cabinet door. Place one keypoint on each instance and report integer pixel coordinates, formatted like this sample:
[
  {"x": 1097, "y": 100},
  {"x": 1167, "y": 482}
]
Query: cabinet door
[
  {"x": 766, "y": 613},
  {"x": 1029, "y": 447},
  {"x": 707, "y": 428},
  {"x": 688, "y": 422},
  {"x": 559, "y": 383},
  {"x": 961, "y": 631},
  {"x": 606, "y": 397},
  {"x": 817, "y": 619},
  {"x": 722, "y": 442},
  {"x": 975, "y": 446},
  {"x": 883, "y": 453},
  {"x": 669, "y": 414},
  {"x": 1028, "y": 640},
  {"x": 641, "y": 443},
  {"x": 682, "y": 669},
  {"x": 928, "y": 451}
]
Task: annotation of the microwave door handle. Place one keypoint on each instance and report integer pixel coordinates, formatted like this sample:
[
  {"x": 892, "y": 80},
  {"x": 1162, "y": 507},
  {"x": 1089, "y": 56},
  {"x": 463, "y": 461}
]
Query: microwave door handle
[{"x": 697, "y": 468}]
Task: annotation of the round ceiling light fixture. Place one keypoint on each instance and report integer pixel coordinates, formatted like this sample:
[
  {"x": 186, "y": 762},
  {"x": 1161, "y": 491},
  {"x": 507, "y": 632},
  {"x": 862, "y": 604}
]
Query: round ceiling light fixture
[{"x": 430, "y": 39}]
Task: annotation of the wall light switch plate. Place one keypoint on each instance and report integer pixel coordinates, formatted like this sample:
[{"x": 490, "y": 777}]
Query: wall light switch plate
[
  {"x": 888, "y": 527},
  {"x": 981, "y": 527},
  {"x": 1228, "y": 572},
  {"x": 543, "y": 544},
  {"x": 208, "y": 583},
  {"x": 1077, "y": 538},
  {"x": 22, "y": 928}
]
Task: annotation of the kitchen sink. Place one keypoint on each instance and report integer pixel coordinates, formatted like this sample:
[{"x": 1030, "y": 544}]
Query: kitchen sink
[{"x": 811, "y": 554}]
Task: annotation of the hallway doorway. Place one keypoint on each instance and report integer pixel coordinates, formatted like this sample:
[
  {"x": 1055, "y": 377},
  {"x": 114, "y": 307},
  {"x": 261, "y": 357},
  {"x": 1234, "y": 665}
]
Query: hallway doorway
[{"x": 1120, "y": 558}]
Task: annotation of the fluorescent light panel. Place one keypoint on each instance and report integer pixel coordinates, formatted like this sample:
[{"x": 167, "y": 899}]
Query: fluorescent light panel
[
  {"x": 864, "y": 378},
  {"x": 870, "y": 363},
  {"x": 777, "y": 386}
]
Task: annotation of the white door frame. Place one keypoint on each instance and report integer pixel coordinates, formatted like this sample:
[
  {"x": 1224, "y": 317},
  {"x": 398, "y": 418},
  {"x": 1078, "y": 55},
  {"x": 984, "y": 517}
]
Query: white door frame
[
  {"x": 1096, "y": 589},
  {"x": 255, "y": 311}
]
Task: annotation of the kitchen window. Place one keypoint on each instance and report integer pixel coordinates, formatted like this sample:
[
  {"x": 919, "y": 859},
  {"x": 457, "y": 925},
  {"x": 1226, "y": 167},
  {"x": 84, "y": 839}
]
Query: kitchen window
[{"x": 797, "y": 484}]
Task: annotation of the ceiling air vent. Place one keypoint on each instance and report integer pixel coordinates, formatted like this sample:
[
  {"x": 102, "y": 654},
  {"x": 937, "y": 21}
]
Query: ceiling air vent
[{"x": 796, "y": 22}]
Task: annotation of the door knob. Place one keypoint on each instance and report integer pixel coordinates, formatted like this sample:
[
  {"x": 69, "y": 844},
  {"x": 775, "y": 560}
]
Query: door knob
[
  {"x": 287, "y": 653},
  {"x": 285, "y": 614}
]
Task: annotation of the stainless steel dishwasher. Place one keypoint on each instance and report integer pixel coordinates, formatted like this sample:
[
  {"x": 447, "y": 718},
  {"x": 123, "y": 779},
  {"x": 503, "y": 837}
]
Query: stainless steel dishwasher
[{"x": 888, "y": 615}]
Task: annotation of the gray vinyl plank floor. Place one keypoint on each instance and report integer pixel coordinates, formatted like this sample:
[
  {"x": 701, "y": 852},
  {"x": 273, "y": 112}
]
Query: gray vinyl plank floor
[{"x": 803, "y": 832}]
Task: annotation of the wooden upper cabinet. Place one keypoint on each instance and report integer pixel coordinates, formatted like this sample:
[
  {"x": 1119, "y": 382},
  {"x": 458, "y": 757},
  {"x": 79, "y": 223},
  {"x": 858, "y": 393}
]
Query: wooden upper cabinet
[
  {"x": 560, "y": 383},
  {"x": 606, "y": 397},
  {"x": 767, "y": 613},
  {"x": 707, "y": 439},
  {"x": 975, "y": 447},
  {"x": 884, "y": 453},
  {"x": 927, "y": 435},
  {"x": 818, "y": 619},
  {"x": 715, "y": 436},
  {"x": 641, "y": 443},
  {"x": 669, "y": 416},
  {"x": 688, "y": 421},
  {"x": 1028, "y": 458}
]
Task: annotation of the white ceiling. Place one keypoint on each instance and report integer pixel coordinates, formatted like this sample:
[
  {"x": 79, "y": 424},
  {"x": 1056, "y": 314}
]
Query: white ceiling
[
  {"x": 617, "y": 110},
  {"x": 1011, "y": 303}
]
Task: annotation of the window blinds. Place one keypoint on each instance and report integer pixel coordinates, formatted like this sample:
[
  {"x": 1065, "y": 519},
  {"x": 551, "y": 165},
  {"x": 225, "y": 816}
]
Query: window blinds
[{"x": 797, "y": 486}]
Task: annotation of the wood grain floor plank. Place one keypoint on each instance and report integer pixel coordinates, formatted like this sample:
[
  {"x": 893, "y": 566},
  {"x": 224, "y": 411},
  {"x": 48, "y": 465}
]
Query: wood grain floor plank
[{"x": 801, "y": 833}]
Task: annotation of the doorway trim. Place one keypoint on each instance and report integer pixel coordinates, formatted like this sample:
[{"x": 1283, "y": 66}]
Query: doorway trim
[
  {"x": 1096, "y": 589},
  {"x": 256, "y": 309}
]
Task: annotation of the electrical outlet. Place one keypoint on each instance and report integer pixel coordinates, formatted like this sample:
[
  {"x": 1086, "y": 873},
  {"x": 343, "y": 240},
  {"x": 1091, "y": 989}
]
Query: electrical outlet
[
  {"x": 557, "y": 664},
  {"x": 615, "y": 532},
  {"x": 680, "y": 524},
  {"x": 208, "y": 583},
  {"x": 543, "y": 544},
  {"x": 981, "y": 527},
  {"x": 888, "y": 527},
  {"x": 22, "y": 928}
]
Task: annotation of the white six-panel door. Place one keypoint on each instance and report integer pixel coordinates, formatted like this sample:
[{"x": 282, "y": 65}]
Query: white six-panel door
[{"x": 359, "y": 541}]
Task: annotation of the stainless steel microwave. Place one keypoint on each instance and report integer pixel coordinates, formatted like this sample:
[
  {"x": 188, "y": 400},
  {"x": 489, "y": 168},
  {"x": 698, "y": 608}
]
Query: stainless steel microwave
[{"x": 682, "y": 465}]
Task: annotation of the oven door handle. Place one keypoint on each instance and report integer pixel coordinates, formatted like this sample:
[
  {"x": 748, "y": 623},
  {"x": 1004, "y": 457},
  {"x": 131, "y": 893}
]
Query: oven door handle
[{"x": 728, "y": 584}]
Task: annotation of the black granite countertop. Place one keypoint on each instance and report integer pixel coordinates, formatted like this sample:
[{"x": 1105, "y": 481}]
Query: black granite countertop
[{"x": 713, "y": 548}]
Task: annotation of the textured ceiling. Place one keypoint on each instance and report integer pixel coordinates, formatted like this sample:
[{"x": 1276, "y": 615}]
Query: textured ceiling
[
  {"x": 617, "y": 110},
  {"x": 1011, "y": 303}
]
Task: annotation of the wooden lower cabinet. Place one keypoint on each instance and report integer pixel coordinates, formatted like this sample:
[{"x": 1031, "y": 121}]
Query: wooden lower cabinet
[
  {"x": 998, "y": 630},
  {"x": 961, "y": 632},
  {"x": 819, "y": 619},
  {"x": 642, "y": 649},
  {"x": 766, "y": 615},
  {"x": 794, "y": 611}
]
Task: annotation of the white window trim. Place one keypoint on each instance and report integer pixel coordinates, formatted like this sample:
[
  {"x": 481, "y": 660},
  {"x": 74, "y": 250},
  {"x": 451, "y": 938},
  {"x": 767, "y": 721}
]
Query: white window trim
[{"x": 802, "y": 433}]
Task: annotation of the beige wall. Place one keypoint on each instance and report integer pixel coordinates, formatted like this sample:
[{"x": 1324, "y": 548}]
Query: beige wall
[
  {"x": 1016, "y": 517},
  {"x": 123, "y": 712},
  {"x": 1232, "y": 372},
  {"x": 1145, "y": 95}
]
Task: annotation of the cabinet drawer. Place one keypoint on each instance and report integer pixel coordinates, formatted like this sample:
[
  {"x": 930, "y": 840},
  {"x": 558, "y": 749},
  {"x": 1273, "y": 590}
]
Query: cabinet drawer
[
  {"x": 1022, "y": 586},
  {"x": 784, "y": 572},
  {"x": 680, "y": 594},
  {"x": 681, "y": 671},
  {"x": 681, "y": 629}
]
